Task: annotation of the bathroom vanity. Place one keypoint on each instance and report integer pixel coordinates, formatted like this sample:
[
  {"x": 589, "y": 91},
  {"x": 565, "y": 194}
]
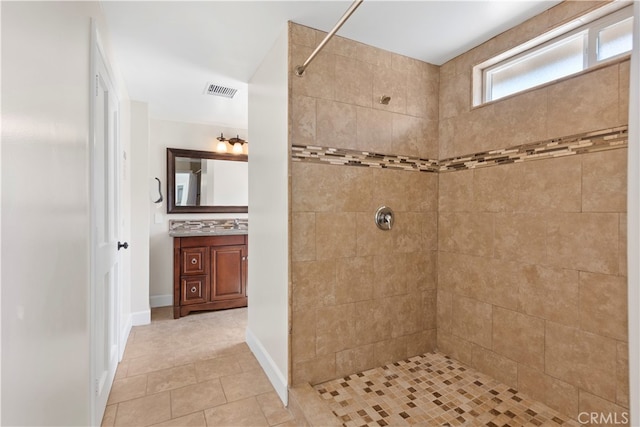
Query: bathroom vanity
[
  {"x": 209, "y": 269},
  {"x": 209, "y": 255}
]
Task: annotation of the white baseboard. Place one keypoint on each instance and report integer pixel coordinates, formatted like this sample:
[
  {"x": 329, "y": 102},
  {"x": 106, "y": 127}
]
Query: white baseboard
[
  {"x": 274, "y": 374},
  {"x": 141, "y": 318},
  {"x": 160, "y": 301},
  {"x": 124, "y": 336}
]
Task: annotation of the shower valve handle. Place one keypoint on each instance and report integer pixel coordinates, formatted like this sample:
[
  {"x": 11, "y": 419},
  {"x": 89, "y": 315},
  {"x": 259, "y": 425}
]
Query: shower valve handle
[{"x": 384, "y": 218}]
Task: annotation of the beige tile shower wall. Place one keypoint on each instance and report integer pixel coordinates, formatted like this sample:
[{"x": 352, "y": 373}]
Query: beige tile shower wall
[
  {"x": 532, "y": 256},
  {"x": 532, "y": 276},
  {"x": 361, "y": 297},
  {"x": 336, "y": 103}
]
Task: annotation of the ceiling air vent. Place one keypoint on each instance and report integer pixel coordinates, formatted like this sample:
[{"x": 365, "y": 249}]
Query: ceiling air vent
[{"x": 226, "y": 92}]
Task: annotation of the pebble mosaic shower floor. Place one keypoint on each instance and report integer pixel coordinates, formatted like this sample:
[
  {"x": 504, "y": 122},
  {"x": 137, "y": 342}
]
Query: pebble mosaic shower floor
[{"x": 432, "y": 390}]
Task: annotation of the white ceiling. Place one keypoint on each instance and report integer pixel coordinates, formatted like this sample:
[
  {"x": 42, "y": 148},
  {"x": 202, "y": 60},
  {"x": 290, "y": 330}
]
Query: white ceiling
[{"x": 167, "y": 51}]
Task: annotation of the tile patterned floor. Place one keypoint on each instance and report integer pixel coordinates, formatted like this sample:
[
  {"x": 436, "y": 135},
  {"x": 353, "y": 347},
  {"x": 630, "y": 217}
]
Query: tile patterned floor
[
  {"x": 432, "y": 390},
  {"x": 194, "y": 371}
]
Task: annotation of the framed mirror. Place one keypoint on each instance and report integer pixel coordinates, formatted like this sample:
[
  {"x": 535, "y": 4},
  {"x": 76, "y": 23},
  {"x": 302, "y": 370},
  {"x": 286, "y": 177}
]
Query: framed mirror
[{"x": 206, "y": 182}]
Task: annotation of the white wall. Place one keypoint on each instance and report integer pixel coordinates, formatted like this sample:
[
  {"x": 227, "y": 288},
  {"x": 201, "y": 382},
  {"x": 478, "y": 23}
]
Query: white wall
[
  {"x": 140, "y": 202},
  {"x": 45, "y": 211},
  {"x": 633, "y": 217},
  {"x": 0, "y": 229},
  {"x": 268, "y": 276},
  {"x": 167, "y": 134}
]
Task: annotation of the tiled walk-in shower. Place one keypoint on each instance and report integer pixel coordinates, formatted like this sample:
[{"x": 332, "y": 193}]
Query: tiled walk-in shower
[
  {"x": 508, "y": 249},
  {"x": 428, "y": 390}
]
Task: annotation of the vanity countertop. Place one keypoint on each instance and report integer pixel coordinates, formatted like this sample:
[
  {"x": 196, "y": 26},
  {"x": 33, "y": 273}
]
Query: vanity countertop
[
  {"x": 210, "y": 232},
  {"x": 209, "y": 227}
]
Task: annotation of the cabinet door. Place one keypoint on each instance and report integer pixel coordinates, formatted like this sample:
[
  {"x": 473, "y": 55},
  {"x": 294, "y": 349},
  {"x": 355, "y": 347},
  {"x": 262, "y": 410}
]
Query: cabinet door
[
  {"x": 194, "y": 289},
  {"x": 227, "y": 272}
]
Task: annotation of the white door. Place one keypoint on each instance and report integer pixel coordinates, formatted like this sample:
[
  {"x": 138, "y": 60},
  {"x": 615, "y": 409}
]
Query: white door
[{"x": 105, "y": 224}]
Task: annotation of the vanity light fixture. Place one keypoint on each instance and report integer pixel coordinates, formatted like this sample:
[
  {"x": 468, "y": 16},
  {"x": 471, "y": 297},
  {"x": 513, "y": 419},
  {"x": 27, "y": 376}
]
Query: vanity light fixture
[
  {"x": 237, "y": 144},
  {"x": 222, "y": 144}
]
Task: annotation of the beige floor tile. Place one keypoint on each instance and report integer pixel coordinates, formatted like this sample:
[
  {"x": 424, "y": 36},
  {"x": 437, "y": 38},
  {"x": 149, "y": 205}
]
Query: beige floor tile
[
  {"x": 196, "y": 397},
  {"x": 168, "y": 379},
  {"x": 127, "y": 389},
  {"x": 245, "y": 412},
  {"x": 131, "y": 337},
  {"x": 247, "y": 384},
  {"x": 167, "y": 357},
  {"x": 229, "y": 333},
  {"x": 217, "y": 367},
  {"x": 231, "y": 347},
  {"x": 191, "y": 420},
  {"x": 273, "y": 409},
  {"x": 109, "y": 416},
  {"x": 153, "y": 333},
  {"x": 122, "y": 370},
  {"x": 247, "y": 361},
  {"x": 150, "y": 363},
  {"x": 290, "y": 423},
  {"x": 144, "y": 411},
  {"x": 139, "y": 348},
  {"x": 196, "y": 353}
]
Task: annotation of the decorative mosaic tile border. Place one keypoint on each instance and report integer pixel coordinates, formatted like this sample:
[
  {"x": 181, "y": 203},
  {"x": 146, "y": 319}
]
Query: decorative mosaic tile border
[
  {"x": 606, "y": 139},
  {"x": 205, "y": 226},
  {"x": 340, "y": 156},
  {"x": 602, "y": 140}
]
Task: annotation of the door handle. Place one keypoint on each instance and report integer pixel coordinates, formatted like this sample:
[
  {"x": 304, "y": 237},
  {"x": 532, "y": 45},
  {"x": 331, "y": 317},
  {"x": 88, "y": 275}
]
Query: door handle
[{"x": 123, "y": 245}]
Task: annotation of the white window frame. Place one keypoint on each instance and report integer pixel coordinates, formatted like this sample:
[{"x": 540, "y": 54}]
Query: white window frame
[
  {"x": 589, "y": 25},
  {"x": 601, "y": 24}
]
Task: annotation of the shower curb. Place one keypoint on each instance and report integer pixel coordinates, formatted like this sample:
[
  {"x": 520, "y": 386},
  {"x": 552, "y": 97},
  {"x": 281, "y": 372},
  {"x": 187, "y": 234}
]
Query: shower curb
[{"x": 309, "y": 409}]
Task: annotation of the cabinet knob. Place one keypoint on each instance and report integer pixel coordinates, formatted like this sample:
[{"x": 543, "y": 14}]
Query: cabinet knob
[
  {"x": 244, "y": 258},
  {"x": 193, "y": 290},
  {"x": 194, "y": 261},
  {"x": 123, "y": 245}
]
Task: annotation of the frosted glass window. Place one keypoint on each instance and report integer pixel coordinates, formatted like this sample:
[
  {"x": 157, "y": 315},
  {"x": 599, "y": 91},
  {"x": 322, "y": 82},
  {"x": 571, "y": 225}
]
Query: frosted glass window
[
  {"x": 577, "y": 46},
  {"x": 615, "y": 40},
  {"x": 542, "y": 66}
]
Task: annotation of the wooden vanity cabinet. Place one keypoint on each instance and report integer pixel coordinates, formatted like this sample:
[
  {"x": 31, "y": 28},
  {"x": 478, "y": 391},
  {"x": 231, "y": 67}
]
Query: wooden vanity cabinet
[{"x": 209, "y": 273}]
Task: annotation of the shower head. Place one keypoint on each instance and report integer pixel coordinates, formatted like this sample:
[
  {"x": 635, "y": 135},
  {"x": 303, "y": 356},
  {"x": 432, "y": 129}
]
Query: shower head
[{"x": 384, "y": 100}]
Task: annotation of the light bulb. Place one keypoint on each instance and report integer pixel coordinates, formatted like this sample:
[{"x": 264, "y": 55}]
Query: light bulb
[
  {"x": 237, "y": 148},
  {"x": 221, "y": 147}
]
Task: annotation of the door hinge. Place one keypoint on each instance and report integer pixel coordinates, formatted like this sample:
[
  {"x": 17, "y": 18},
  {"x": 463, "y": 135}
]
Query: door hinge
[
  {"x": 97, "y": 386},
  {"x": 96, "y": 85}
]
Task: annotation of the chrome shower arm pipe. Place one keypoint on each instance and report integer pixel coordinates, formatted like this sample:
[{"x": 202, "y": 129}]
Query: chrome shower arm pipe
[{"x": 301, "y": 68}]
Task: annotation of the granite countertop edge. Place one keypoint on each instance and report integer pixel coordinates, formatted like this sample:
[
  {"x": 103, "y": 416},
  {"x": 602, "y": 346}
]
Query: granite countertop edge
[{"x": 195, "y": 233}]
